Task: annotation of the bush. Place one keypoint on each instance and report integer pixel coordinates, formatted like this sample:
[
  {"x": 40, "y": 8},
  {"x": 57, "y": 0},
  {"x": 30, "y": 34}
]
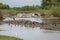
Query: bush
[
  {"x": 42, "y": 14},
  {"x": 56, "y": 14}
]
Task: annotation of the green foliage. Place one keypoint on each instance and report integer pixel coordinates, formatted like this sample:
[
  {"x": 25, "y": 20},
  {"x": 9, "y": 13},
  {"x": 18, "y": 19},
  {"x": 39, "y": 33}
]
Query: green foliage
[
  {"x": 8, "y": 38},
  {"x": 48, "y": 7},
  {"x": 27, "y": 8},
  {"x": 4, "y": 6},
  {"x": 55, "y": 11},
  {"x": 46, "y": 4}
]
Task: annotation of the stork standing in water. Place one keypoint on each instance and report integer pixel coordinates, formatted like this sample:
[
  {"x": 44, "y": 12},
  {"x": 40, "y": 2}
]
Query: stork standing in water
[{"x": 13, "y": 18}]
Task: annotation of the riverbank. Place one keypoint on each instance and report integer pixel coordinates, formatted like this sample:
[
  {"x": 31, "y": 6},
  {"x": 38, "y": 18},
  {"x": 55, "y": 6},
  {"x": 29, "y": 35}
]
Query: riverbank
[{"x": 8, "y": 38}]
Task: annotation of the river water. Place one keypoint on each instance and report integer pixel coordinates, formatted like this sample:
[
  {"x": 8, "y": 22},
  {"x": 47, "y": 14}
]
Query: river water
[{"x": 28, "y": 33}]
